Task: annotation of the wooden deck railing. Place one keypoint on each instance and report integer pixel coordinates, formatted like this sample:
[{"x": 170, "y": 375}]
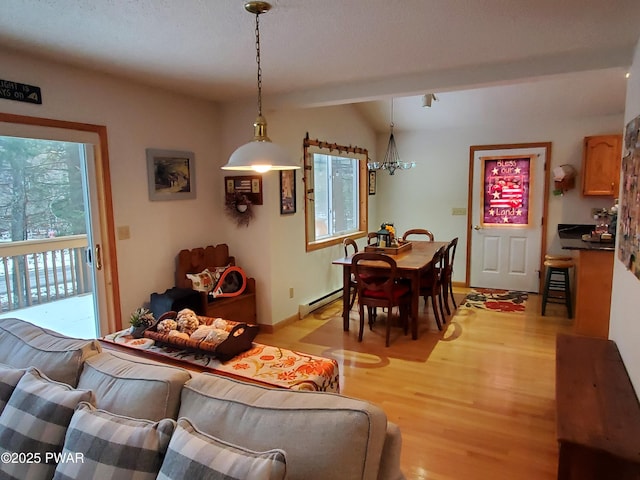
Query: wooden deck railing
[{"x": 33, "y": 272}]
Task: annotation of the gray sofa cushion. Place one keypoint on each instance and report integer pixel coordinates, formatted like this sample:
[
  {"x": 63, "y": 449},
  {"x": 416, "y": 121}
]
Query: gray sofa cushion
[
  {"x": 113, "y": 446},
  {"x": 134, "y": 387},
  {"x": 34, "y": 422},
  {"x": 9, "y": 378},
  {"x": 323, "y": 434},
  {"x": 192, "y": 454},
  {"x": 59, "y": 357}
]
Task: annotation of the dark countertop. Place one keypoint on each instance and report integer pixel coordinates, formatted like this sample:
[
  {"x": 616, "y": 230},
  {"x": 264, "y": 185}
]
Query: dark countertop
[{"x": 571, "y": 238}]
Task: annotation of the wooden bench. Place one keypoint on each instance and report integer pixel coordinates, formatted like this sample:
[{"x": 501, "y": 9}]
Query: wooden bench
[
  {"x": 598, "y": 414},
  {"x": 241, "y": 308}
]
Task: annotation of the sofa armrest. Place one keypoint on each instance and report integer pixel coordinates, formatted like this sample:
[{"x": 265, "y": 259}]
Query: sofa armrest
[{"x": 390, "y": 458}]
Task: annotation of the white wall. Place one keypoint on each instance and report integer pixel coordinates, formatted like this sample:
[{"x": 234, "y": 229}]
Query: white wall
[
  {"x": 137, "y": 117},
  {"x": 624, "y": 327},
  {"x": 424, "y": 196}
]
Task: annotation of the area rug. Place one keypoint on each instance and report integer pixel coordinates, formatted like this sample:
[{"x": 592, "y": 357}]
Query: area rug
[{"x": 510, "y": 301}]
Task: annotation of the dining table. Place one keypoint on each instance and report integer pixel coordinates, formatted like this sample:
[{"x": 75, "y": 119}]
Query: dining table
[{"x": 411, "y": 264}]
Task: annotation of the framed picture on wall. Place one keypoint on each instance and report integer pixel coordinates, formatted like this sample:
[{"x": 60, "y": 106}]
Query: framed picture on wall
[
  {"x": 287, "y": 192},
  {"x": 372, "y": 182},
  {"x": 170, "y": 174}
]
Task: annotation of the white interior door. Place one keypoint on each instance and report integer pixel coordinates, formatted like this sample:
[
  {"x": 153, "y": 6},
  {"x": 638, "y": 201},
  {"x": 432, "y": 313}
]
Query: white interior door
[{"x": 507, "y": 208}]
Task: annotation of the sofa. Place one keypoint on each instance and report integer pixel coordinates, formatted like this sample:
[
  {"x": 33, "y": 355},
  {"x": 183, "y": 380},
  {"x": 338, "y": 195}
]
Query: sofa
[{"x": 71, "y": 409}]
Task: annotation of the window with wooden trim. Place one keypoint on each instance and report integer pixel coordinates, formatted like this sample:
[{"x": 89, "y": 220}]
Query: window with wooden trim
[{"x": 336, "y": 189}]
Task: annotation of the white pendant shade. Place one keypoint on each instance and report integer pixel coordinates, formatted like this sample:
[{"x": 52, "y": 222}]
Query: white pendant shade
[{"x": 260, "y": 156}]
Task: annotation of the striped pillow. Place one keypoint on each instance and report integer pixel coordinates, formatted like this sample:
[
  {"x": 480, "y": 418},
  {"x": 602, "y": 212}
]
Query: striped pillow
[
  {"x": 34, "y": 422},
  {"x": 193, "y": 454},
  {"x": 103, "y": 445},
  {"x": 9, "y": 378}
]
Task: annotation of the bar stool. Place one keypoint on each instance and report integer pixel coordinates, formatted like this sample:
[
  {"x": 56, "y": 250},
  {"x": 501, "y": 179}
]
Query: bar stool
[{"x": 556, "y": 285}]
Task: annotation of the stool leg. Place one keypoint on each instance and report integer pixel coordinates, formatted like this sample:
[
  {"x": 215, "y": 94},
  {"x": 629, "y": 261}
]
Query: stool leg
[
  {"x": 545, "y": 292},
  {"x": 567, "y": 293}
]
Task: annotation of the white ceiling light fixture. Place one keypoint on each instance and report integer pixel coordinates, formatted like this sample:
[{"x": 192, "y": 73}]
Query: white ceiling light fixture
[
  {"x": 428, "y": 99},
  {"x": 391, "y": 158},
  {"x": 260, "y": 154}
]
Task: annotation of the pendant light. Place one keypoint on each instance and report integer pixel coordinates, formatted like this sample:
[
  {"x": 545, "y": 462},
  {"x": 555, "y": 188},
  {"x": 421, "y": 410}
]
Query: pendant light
[
  {"x": 260, "y": 154},
  {"x": 391, "y": 158}
]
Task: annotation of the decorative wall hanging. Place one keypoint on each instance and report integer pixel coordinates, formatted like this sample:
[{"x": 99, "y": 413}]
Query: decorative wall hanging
[
  {"x": 506, "y": 181},
  {"x": 287, "y": 192},
  {"x": 372, "y": 182},
  {"x": 248, "y": 185},
  {"x": 170, "y": 174},
  {"x": 628, "y": 230},
  {"x": 240, "y": 194}
]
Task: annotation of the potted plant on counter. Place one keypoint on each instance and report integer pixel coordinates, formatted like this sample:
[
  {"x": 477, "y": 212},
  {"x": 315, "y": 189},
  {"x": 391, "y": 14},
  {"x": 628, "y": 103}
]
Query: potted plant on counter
[{"x": 140, "y": 320}]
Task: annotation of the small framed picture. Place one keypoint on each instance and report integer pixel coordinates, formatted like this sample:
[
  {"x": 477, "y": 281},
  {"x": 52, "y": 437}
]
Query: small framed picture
[
  {"x": 170, "y": 174},
  {"x": 287, "y": 192},
  {"x": 372, "y": 182},
  {"x": 249, "y": 186}
]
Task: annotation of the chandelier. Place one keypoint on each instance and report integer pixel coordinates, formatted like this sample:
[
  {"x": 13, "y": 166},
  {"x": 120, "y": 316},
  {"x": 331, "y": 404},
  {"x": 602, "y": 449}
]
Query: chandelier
[
  {"x": 260, "y": 154},
  {"x": 391, "y": 158}
]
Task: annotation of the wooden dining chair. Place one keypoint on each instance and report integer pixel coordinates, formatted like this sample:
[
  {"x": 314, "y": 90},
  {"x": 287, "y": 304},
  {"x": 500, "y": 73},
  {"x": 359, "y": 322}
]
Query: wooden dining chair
[
  {"x": 351, "y": 248},
  {"x": 378, "y": 287},
  {"x": 418, "y": 231},
  {"x": 372, "y": 238},
  {"x": 447, "y": 275},
  {"x": 431, "y": 285}
]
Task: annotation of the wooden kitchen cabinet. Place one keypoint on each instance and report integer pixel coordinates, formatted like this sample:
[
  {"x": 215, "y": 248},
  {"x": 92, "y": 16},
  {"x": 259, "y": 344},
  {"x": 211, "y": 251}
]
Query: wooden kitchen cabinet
[{"x": 601, "y": 165}]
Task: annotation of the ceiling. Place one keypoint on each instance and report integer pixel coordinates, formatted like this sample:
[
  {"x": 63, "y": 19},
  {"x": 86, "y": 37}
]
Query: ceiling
[{"x": 483, "y": 59}]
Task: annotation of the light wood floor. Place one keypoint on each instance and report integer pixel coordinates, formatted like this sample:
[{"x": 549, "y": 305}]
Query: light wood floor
[{"x": 476, "y": 401}]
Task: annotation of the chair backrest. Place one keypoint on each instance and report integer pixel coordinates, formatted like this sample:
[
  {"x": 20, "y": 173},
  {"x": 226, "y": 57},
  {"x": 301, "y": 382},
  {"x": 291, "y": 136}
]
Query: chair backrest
[
  {"x": 450, "y": 254},
  {"x": 372, "y": 238},
  {"x": 418, "y": 231},
  {"x": 438, "y": 264},
  {"x": 374, "y": 279},
  {"x": 349, "y": 242}
]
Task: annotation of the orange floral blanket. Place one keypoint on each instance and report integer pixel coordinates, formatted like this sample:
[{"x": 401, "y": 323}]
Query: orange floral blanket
[{"x": 265, "y": 364}]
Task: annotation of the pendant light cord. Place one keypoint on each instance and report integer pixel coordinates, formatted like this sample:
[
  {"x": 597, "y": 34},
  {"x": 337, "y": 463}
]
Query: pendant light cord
[
  {"x": 391, "y": 116},
  {"x": 258, "y": 62}
]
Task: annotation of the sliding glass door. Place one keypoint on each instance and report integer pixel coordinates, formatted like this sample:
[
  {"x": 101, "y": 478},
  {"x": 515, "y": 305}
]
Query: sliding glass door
[{"x": 53, "y": 261}]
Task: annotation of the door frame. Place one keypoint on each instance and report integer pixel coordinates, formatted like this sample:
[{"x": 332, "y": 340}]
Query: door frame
[
  {"x": 104, "y": 207},
  {"x": 545, "y": 204}
]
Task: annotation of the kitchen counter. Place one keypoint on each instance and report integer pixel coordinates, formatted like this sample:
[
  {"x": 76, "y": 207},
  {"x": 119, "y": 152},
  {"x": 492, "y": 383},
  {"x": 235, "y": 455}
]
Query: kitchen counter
[
  {"x": 593, "y": 279},
  {"x": 571, "y": 238}
]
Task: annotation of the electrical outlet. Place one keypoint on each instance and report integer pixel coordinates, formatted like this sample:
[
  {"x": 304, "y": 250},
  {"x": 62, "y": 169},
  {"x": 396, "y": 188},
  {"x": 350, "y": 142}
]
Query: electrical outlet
[
  {"x": 291, "y": 292},
  {"x": 459, "y": 211}
]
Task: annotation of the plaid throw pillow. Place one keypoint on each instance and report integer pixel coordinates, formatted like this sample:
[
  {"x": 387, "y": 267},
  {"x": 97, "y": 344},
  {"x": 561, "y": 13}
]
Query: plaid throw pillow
[
  {"x": 34, "y": 422},
  {"x": 193, "y": 454},
  {"x": 113, "y": 446},
  {"x": 9, "y": 378}
]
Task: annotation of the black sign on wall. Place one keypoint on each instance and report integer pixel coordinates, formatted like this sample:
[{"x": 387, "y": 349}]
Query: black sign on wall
[{"x": 20, "y": 92}]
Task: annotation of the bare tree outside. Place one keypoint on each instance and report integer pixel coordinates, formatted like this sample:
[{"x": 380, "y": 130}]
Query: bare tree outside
[
  {"x": 40, "y": 189},
  {"x": 41, "y": 197}
]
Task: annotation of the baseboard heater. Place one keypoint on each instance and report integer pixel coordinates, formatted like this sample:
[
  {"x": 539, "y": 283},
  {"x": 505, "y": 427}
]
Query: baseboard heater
[{"x": 307, "y": 308}]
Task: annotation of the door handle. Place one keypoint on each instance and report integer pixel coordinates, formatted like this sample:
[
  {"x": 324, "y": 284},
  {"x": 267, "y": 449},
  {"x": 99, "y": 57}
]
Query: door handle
[
  {"x": 477, "y": 227},
  {"x": 98, "y": 256}
]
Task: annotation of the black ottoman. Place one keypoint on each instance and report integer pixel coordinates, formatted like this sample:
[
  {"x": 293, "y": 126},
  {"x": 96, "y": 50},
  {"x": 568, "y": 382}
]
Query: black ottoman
[{"x": 175, "y": 299}]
